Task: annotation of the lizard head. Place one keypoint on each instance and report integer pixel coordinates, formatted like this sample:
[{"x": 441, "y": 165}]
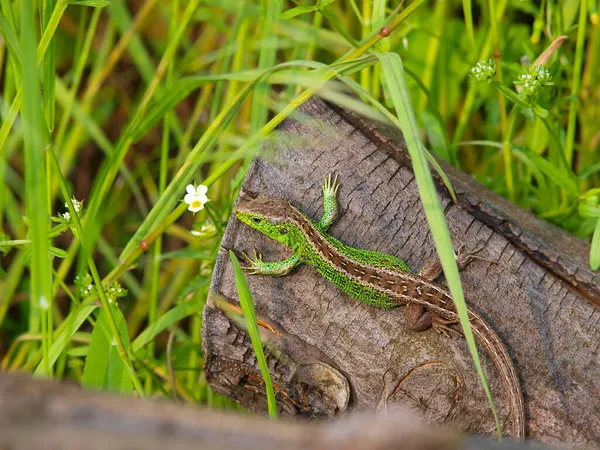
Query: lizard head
[{"x": 268, "y": 215}]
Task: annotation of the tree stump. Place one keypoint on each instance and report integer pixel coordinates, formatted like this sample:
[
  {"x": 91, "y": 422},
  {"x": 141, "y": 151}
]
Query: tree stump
[
  {"x": 38, "y": 414},
  {"x": 329, "y": 354}
]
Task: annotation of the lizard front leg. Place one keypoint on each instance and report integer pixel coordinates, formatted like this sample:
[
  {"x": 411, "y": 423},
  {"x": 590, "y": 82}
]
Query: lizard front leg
[
  {"x": 330, "y": 204},
  {"x": 256, "y": 265}
]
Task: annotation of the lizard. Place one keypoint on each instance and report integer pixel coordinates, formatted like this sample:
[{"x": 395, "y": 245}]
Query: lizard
[{"x": 374, "y": 278}]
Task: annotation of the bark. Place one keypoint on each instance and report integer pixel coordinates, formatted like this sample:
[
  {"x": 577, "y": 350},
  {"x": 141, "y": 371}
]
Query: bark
[
  {"x": 329, "y": 354},
  {"x": 37, "y": 414}
]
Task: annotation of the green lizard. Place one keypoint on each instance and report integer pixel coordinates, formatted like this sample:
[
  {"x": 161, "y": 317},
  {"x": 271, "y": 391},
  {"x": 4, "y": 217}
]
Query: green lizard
[{"x": 375, "y": 278}]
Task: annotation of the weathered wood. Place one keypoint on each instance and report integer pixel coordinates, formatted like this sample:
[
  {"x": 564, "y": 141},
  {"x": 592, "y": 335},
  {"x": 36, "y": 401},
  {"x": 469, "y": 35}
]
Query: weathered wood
[
  {"x": 331, "y": 354},
  {"x": 37, "y": 414}
]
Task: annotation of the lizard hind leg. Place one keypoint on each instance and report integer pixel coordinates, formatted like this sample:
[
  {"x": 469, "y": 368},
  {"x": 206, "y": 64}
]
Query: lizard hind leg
[
  {"x": 433, "y": 269},
  {"x": 445, "y": 326},
  {"x": 418, "y": 318}
]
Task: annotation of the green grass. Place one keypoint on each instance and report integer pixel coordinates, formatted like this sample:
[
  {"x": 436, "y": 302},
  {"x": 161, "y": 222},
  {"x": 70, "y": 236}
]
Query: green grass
[
  {"x": 122, "y": 108},
  {"x": 251, "y": 326}
]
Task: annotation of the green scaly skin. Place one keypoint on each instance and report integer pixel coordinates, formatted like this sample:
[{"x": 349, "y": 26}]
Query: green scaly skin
[{"x": 304, "y": 253}]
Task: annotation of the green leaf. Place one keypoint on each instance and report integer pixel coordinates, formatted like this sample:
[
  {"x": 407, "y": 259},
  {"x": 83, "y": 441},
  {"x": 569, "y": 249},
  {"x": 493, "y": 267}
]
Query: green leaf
[
  {"x": 64, "y": 334},
  {"x": 541, "y": 112},
  {"x": 435, "y": 133},
  {"x": 247, "y": 305},
  {"x": 10, "y": 37},
  {"x": 595, "y": 249},
  {"x": 104, "y": 368},
  {"x": 586, "y": 210},
  {"x": 301, "y": 9},
  {"x": 92, "y": 3},
  {"x": 34, "y": 162},
  {"x": 588, "y": 171},
  {"x": 194, "y": 285},
  {"x": 187, "y": 253},
  {"x": 58, "y": 252},
  {"x": 560, "y": 177},
  {"x": 81, "y": 351},
  {"x": 169, "y": 318}
]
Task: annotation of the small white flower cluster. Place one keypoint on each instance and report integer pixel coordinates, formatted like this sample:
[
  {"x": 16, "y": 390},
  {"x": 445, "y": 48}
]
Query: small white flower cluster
[
  {"x": 85, "y": 285},
  {"x": 115, "y": 290},
  {"x": 533, "y": 79},
  {"x": 484, "y": 72},
  {"x": 87, "y": 288},
  {"x": 543, "y": 75},
  {"x": 77, "y": 205},
  {"x": 196, "y": 197}
]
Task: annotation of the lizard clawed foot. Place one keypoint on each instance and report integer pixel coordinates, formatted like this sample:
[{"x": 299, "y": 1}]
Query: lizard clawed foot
[
  {"x": 444, "y": 326},
  {"x": 255, "y": 263},
  {"x": 464, "y": 258},
  {"x": 330, "y": 188}
]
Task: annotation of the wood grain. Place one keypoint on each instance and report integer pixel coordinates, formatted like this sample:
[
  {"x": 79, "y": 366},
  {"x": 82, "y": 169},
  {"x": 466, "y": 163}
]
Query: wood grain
[{"x": 332, "y": 354}]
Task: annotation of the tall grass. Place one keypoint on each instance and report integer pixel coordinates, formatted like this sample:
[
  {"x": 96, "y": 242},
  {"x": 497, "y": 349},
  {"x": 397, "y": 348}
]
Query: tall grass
[{"x": 121, "y": 108}]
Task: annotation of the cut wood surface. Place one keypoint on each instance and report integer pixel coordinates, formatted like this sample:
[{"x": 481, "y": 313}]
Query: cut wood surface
[
  {"x": 38, "y": 414},
  {"x": 329, "y": 354}
]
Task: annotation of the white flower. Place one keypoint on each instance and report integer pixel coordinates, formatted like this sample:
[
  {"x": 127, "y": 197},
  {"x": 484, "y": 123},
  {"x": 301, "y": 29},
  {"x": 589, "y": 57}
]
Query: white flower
[
  {"x": 76, "y": 204},
  {"x": 484, "y": 72},
  {"x": 533, "y": 79},
  {"x": 67, "y": 216},
  {"x": 196, "y": 197}
]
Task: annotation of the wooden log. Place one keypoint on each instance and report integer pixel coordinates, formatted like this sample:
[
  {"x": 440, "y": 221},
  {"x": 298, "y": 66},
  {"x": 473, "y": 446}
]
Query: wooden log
[
  {"x": 38, "y": 414},
  {"x": 329, "y": 354}
]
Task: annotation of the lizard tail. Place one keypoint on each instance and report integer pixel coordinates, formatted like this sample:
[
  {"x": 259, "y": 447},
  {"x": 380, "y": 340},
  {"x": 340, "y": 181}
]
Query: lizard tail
[{"x": 497, "y": 351}]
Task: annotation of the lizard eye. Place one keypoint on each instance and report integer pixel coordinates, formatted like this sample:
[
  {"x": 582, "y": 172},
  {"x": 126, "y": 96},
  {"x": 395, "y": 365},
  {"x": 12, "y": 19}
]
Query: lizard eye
[
  {"x": 256, "y": 219},
  {"x": 283, "y": 230}
]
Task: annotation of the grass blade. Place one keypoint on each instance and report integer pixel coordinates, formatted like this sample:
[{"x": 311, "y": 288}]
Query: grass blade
[
  {"x": 168, "y": 319},
  {"x": 104, "y": 369},
  {"x": 35, "y": 180},
  {"x": 393, "y": 73},
  {"x": 595, "y": 248},
  {"x": 68, "y": 328},
  {"x": 250, "y": 316}
]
